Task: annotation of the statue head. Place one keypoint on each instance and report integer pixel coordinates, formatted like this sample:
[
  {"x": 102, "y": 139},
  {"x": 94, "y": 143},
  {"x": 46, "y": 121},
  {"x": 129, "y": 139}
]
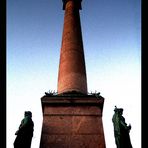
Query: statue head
[
  {"x": 28, "y": 113},
  {"x": 118, "y": 110}
]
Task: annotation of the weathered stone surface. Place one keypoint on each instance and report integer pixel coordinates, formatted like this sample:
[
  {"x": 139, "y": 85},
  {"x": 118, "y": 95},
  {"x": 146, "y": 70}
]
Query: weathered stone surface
[
  {"x": 72, "y": 71},
  {"x": 72, "y": 124},
  {"x": 64, "y": 124},
  {"x": 75, "y": 110},
  {"x": 78, "y": 141}
]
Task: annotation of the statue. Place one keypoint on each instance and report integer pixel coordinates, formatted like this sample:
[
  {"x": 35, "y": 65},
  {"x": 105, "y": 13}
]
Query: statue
[
  {"x": 121, "y": 129},
  {"x": 25, "y": 132}
]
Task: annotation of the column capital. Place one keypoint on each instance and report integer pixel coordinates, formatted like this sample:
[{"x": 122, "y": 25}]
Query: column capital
[{"x": 76, "y": 1}]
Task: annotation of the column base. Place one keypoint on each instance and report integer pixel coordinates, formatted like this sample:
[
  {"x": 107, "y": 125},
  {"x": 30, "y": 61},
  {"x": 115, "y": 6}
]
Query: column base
[{"x": 72, "y": 121}]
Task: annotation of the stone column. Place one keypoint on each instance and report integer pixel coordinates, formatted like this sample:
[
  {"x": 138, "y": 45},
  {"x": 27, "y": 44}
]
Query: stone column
[
  {"x": 72, "y": 71},
  {"x": 72, "y": 118}
]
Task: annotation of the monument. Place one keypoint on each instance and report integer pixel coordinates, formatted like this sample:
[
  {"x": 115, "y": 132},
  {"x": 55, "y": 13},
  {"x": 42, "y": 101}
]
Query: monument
[
  {"x": 72, "y": 118},
  {"x": 25, "y": 131},
  {"x": 121, "y": 129}
]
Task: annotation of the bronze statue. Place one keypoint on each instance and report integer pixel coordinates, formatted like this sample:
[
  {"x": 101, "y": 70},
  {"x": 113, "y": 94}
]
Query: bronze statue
[
  {"x": 25, "y": 132},
  {"x": 121, "y": 129}
]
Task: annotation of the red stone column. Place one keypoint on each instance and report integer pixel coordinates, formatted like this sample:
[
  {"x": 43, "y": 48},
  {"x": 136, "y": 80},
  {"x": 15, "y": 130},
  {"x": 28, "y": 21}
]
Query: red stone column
[
  {"x": 72, "y": 118},
  {"x": 72, "y": 71}
]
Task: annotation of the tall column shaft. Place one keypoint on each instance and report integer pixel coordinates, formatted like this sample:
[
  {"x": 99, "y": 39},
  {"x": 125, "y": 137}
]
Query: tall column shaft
[{"x": 72, "y": 71}]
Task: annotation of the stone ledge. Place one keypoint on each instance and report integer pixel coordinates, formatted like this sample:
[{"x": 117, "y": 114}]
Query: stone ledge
[{"x": 72, "y": 101}]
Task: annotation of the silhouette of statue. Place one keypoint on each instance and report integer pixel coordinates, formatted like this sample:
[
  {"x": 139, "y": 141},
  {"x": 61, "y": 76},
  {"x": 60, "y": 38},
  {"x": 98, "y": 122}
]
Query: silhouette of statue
[
  {"x": 25, "y": 132},
  {"x": 121, "y": 129}
]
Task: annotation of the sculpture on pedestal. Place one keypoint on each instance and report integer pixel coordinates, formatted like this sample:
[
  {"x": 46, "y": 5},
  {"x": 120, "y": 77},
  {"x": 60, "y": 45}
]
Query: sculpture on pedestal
[
  {"x": 25, "y": 132},
  {"x": 121, "y": 129}
]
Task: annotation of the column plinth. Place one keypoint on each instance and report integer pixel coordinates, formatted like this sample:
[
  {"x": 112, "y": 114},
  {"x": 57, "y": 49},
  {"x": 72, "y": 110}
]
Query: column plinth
[{"x": 72, "y": 122}]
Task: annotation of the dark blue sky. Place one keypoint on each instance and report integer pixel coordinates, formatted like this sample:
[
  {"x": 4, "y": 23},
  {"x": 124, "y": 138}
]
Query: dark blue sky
[
  {"x": 108, "y": 26},
  {"x": 111, "y": 32}
]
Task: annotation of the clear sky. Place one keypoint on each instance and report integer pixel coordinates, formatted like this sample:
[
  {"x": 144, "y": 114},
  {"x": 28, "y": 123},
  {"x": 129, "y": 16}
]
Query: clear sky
[{"x": 111, "y": 32}]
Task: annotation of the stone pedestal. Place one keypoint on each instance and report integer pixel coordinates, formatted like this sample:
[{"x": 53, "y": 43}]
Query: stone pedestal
[{"x": 72, "y": 121}]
